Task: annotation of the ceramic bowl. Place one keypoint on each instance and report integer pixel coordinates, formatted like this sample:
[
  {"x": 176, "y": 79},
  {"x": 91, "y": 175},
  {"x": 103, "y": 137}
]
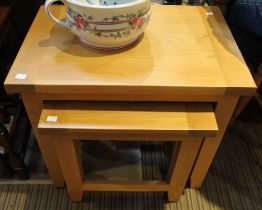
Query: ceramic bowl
[
  {"x": 109, "y": 2},
  {"x": 105, "y": 24}
]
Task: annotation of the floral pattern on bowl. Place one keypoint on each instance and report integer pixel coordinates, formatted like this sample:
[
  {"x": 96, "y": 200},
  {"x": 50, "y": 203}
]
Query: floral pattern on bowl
[
  {"x": 114, "y": 2},
  {"x": 106, "y": 3},
  {"x": 104, "y": 27},
  {"x": 121, "y": 25}
]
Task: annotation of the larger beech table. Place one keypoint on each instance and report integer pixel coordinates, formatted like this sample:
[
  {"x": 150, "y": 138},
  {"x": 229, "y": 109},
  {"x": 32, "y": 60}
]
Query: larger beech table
[{"x": 186, "y": 54}]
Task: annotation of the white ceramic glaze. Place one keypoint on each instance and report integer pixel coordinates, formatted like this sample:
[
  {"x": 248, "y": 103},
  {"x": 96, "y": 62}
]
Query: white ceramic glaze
[
  {"x": 114, "y": 2},
  {"x": 108, "y": 2},
  {"x": 100, "y": 26}
]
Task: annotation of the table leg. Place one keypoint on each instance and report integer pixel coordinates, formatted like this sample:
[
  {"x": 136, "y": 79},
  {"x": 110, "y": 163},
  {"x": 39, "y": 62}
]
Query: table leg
[
  {"x": 183, "y": 157},
  {"x": 69, "y": 158},
  {"x": 33, "y": 106},
  {"x": 223, "y": 112}
]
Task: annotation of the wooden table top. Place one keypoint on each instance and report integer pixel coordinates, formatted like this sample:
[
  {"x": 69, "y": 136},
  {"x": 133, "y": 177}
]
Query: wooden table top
[
  {"x": 184, "y": 50},
  {"x": 166, "y": 120}
]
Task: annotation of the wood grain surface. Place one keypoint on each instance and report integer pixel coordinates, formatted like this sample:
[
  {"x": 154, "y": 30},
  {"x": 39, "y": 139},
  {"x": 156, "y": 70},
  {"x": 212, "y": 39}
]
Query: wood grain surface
[
  {"x": 183, "y": 51},
  {"x": 186, "y": 119}
]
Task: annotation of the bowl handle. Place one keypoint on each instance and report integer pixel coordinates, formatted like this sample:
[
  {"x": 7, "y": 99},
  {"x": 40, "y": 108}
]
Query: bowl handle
[{"x": 47, "y": 9}]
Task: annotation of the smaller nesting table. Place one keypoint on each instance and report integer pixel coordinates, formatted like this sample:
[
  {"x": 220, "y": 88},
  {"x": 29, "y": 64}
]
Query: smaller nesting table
[{"x": 185, "y": 123}]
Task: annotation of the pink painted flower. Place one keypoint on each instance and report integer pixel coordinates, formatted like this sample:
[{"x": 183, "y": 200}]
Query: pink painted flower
[
  {"x": 80, "y": 22},
  {"x": 136, "y": 22}
]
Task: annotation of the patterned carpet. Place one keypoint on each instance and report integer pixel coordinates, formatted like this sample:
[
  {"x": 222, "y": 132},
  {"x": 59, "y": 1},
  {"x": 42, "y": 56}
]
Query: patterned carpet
[{"x": 233, "y": 181}]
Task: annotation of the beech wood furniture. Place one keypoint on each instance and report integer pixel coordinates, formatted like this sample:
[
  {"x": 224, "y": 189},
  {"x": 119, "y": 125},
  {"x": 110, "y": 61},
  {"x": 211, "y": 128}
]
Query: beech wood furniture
[
  {"x": 186, "y": 123},
  {"x": 186, "y": 54},
  {"x": 243, "y": 101}
]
